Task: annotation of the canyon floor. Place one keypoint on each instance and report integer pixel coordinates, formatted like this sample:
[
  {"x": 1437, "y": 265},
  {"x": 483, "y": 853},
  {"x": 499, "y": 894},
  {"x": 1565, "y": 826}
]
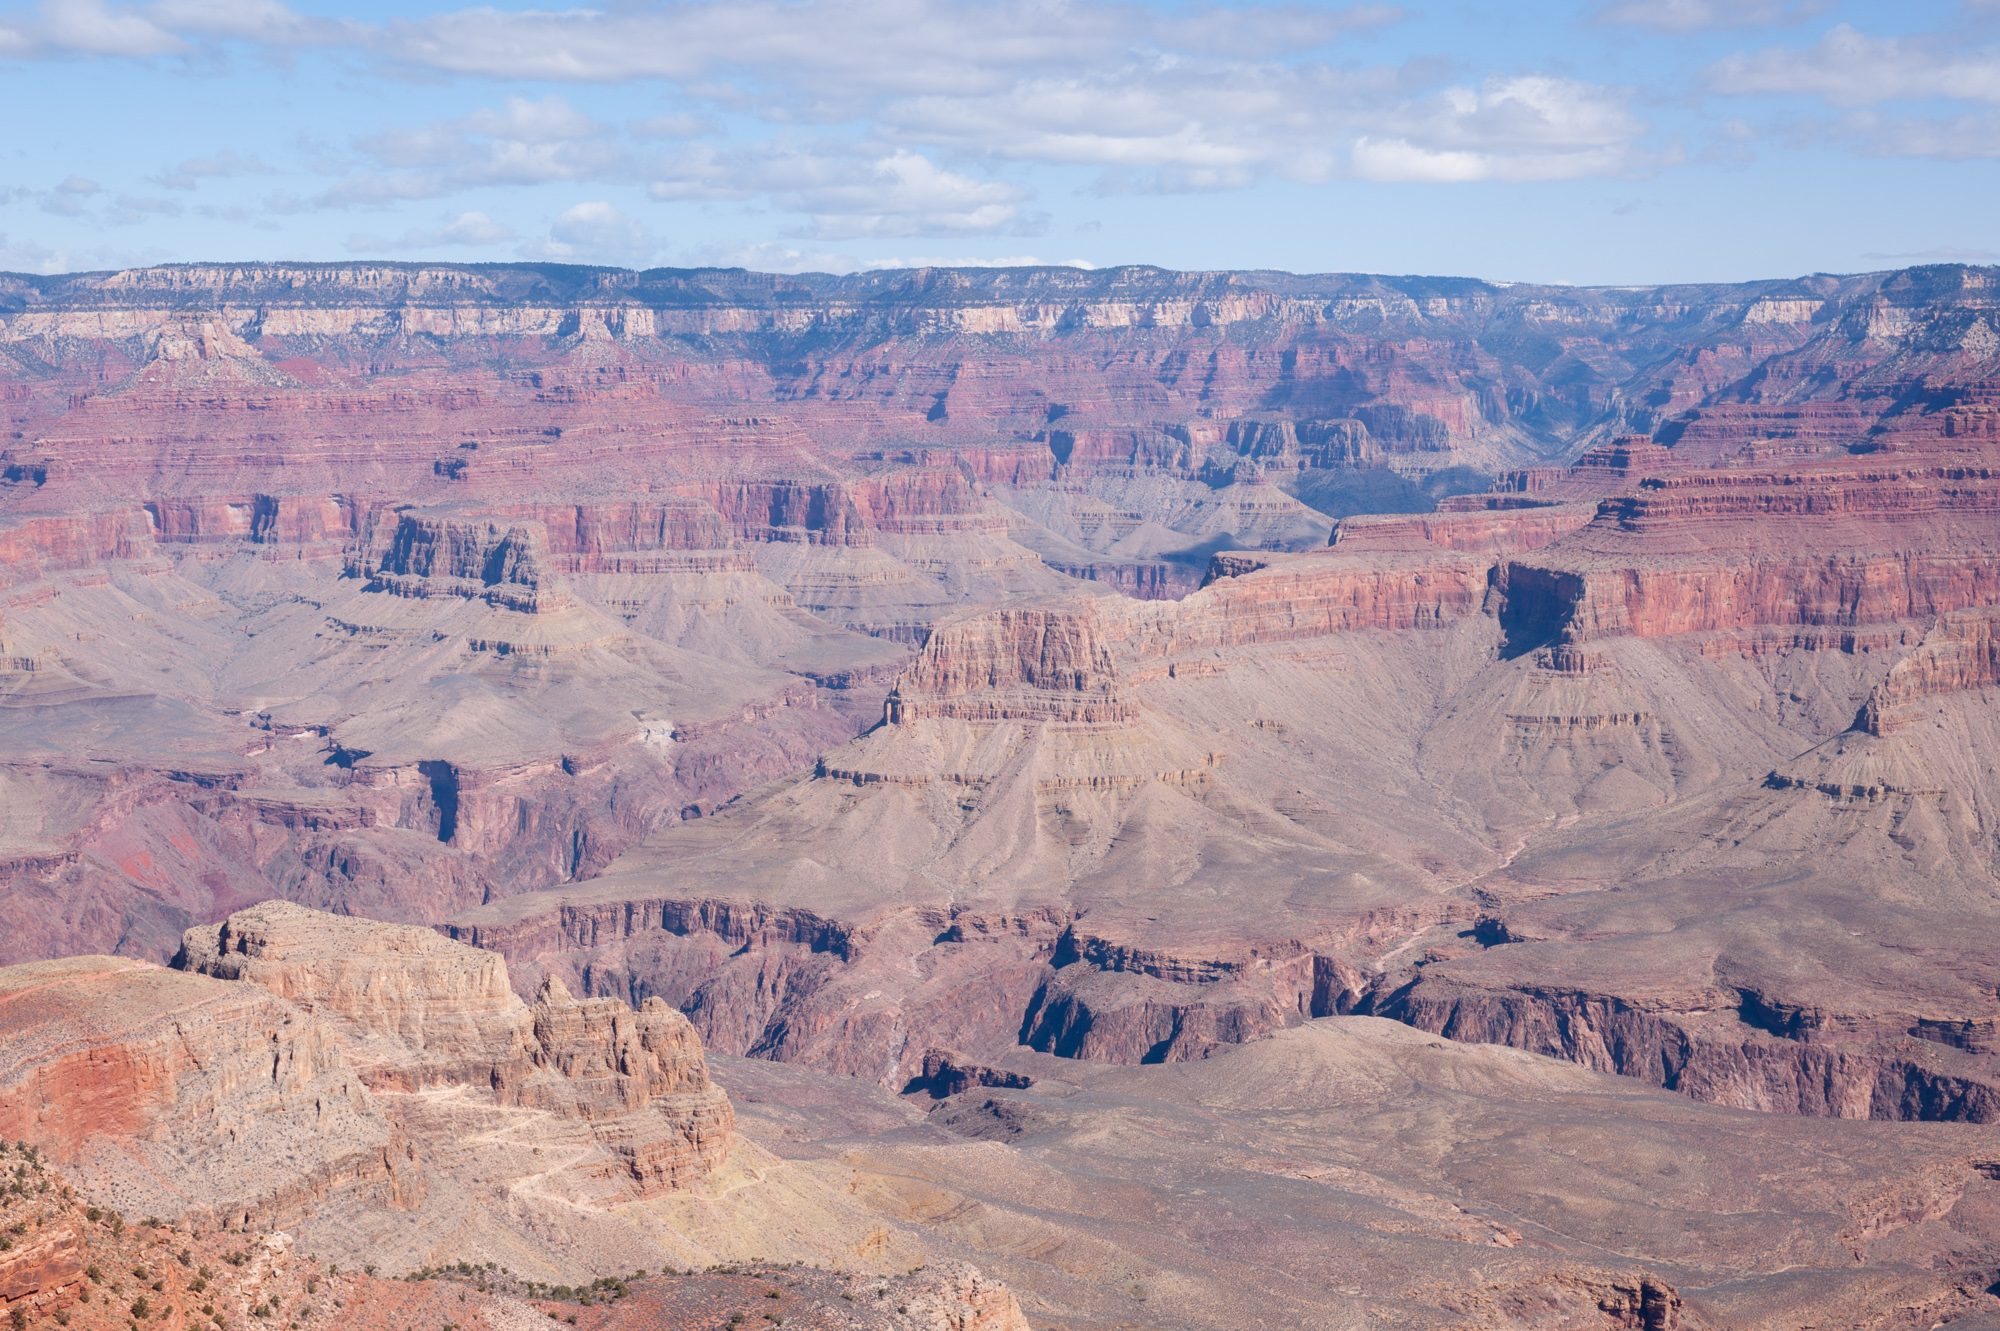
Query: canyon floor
[{"x": 1081, "y": 795}]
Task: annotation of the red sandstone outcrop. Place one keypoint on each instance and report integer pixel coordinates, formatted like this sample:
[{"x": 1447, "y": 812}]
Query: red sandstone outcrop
[
  {"x": 289, "y": 1084},
  {"x": 150, "y": 1086},
  {"x": 1705, "y": 552},
  {"x": 1960, "y": 652},
  {"x": 421, "y": 1010},
  {"x": 1039, "y": 663}
]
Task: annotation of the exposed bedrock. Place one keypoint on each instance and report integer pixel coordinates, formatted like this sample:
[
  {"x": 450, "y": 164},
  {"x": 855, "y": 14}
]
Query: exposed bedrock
[
  {"x": 1960, "y": 653},
  {"x": 634, "y": 557},
  {"x": 422, "y": 840},
  {"x": 1699, "y": 552},
  {"x": 108, "y": 1059},
  {"x": 1764, "y": 1055},
  {"x": 1748, "y": 593},
  {"x": 789, "y": 984},
  {"x": 882, "y": 1001},
  {"x": 420, "y": 1010},
  {"x": 796, "y": 987},
  {"x": 430, "y": 556},
  {"x": 376, "y": 1090},
  {"x": 1035, "y": 663},
  {"x": 1132, "y": 1017}
]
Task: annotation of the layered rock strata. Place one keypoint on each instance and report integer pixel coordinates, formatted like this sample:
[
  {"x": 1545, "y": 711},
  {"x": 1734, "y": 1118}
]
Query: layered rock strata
[
  {"x": 423, "y": 1011},
  {"x": 290, "y": 1069}
]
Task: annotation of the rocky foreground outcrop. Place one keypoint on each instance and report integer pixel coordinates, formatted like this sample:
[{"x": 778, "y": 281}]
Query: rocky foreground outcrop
[
  {"x": 298, "y": 1063},
  {"x": 421, "y": 1011},
  {"x": 68, "y": 1263},
  {"x": 164, "y": 1093}
]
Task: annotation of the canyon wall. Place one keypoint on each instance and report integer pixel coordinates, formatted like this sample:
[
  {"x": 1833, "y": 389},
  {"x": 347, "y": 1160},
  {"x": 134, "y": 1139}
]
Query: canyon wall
[{"x": 1122, "y": 664}]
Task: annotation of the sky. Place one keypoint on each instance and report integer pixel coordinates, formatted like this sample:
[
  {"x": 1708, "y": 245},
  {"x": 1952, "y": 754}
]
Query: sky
[{"x": 1578, "y": 141}]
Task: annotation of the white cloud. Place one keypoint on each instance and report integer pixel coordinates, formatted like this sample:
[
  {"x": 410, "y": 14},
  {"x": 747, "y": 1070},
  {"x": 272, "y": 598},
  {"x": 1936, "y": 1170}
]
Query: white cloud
[
  {"x": 1868, "y": 74},
  {"x": 90, "y": 27},
  {"x": 1531, "y": 128},
  {"x": 473, "y": 228},
  {"x": 906, "y": 194},
  {"x": 1399, "y": 159},
  {"x": 1704, "y": 15},
  {"x": 847, "y": 47},
  {"x": 247, "y": 20},
  {"x": 1252, "y": 32},
  {"x": 1974, "y": 136},
  {"x": 826, "y": 48},
  {"x": 468, "y": 230},
  {"x": 1228, "y": 128},
  {"x": 671, "y": 127},
  {"x": 845, "y": 192},
  {"x": 876, "y": 119},
  {"x": 1850, "y": 68},
  {"x": 216, "y": 166},
  {"x": 532, "y": 120},
  {"x": 521, "y": 142},
  {"x": 596, "y": 232},
  {"x": 1160, "y": 129}
]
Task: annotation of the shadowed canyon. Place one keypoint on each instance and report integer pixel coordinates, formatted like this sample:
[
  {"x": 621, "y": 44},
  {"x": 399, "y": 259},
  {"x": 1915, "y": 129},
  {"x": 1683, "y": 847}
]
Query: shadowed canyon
[{"x": 978, "y": 798}]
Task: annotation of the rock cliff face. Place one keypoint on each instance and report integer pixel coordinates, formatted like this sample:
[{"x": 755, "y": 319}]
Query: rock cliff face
[
  {"x": 1030, "y": 688},
  {"x": 1959, "y": 654},
  {"x": 437, "y": 1014},
  {"x": 149, "y": 1085},
  {"x": 1030, "y": 664},
  {"x": 1560, "y": 660},
  {"x": 281, "y": 1076},
  {"x": 421, "y": 1011}
]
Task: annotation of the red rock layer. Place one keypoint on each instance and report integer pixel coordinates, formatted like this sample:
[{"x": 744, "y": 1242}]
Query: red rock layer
[
  {"x": 110, "y": 1060},
  {"x": 1960, "y": 652},
  {"x": 1035, "y": 663}
]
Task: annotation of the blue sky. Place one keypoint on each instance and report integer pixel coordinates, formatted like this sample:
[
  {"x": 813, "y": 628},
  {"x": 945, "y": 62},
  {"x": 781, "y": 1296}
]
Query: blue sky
[{"x": 1589, "y": 141}]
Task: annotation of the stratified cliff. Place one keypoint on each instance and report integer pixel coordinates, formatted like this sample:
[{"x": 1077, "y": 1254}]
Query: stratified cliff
[
  {"x": 288, "y": 1074},
  {"x": 419, "y": 1011}
]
